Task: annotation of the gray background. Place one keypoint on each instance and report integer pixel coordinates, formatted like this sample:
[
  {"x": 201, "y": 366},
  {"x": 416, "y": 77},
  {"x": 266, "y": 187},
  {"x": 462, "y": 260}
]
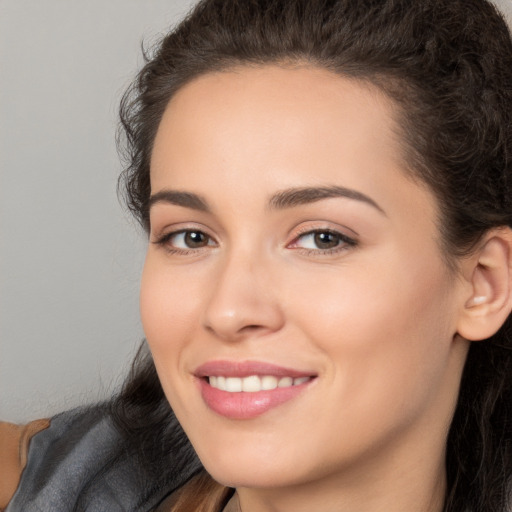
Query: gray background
[{"x": 70, "y": 259}]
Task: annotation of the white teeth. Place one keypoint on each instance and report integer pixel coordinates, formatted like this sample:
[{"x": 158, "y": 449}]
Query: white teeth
[
  {"x": 268, "y": 382},
  {"x": 253, "y": 383},
  {"x": 233, "y": 384},
  {"x": 285, "y": 382},
  {"x": 221, "y": 383}
]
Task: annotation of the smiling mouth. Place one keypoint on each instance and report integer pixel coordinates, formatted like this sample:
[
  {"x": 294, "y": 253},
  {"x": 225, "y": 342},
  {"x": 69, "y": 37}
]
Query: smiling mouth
[
  {"x": 247, "y": 389},
  {"x": 254, "y": 383}
]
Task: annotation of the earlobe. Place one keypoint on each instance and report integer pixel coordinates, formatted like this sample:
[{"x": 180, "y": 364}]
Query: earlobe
[{"x": 489, "y": 272}]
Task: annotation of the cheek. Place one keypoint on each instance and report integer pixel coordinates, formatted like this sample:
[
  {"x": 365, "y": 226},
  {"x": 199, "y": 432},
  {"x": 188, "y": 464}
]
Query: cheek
[
  {"x": 166, "y": 312},
  {"x": 385, "y": 329},
  {"x": 168, "y": 308}
]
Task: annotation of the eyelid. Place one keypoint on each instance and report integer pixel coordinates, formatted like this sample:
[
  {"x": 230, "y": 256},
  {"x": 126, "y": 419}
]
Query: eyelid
[
  {"x": 164, "y": 235},
  {"x": 178, "y": 227},
  {"x": 347, "y": 241}
]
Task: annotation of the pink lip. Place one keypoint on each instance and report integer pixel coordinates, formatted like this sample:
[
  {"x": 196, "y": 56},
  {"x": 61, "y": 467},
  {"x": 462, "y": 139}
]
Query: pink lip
[
  {"x": 247, "y": 368},
  {"x": 244, "y": 405}
]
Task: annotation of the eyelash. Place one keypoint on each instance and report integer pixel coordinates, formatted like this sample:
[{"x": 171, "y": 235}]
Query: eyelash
[
  {"x": 165, "y": 239},
  {"x": 344, "y": 242}
]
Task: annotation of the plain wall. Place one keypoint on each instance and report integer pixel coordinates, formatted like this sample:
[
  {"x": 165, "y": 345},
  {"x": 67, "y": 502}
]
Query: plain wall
[
  {"x": 70, "y": 259},
  {"x": 506, "y": 8}
]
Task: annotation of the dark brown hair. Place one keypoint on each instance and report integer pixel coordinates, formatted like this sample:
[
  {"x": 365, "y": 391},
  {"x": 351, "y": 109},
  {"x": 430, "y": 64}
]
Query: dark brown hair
[{"x": 447, "y": 65}]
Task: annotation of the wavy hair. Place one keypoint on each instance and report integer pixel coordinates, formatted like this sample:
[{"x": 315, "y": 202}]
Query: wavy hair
[{"x": 447, "y": 65}]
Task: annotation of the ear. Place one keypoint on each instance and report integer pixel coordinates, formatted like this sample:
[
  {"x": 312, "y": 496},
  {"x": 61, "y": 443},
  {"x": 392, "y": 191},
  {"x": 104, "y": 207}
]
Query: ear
[{"x": 488, "y": 297}]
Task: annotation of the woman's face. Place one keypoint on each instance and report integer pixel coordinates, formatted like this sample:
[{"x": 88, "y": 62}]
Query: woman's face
[{"x": 289, "y": 248}]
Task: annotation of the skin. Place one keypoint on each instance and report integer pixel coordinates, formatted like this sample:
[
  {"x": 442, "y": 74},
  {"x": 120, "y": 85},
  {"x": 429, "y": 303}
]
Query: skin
[{"x": 375, "y": 320}]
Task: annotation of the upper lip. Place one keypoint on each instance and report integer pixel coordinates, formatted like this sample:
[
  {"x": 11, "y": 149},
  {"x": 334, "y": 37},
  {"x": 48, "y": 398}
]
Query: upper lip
[{"x": 247, "y": 368}]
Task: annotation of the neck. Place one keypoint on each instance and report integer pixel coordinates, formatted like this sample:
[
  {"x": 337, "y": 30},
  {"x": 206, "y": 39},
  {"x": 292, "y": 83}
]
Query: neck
[{"x": 392, "y": 487}]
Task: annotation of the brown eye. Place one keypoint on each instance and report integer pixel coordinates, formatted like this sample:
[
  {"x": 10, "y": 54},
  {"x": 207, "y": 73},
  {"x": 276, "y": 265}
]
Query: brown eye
[
  {"x": 326, "y": 240},
  {"x": 195, "y": 239},
  {"x": 323, "y": 241},
  {"x": 187, "y": 239}
]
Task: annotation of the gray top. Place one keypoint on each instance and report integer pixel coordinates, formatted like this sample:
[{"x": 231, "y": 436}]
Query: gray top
[{"x": 82, "y": 464}]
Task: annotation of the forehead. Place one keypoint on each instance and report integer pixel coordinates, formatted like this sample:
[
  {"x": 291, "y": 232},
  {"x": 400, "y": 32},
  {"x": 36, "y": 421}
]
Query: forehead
[
  {"x": 248, "y": 107},
  {"x": 256, "y": 130}
]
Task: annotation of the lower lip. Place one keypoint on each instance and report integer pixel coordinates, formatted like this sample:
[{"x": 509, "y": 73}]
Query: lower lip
[{"x": 244, "y": 405}]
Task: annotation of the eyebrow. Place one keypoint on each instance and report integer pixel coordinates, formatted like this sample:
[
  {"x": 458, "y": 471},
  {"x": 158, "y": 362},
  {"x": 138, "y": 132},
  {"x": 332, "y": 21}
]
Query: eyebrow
[
  {"x": 185, "y": 199},
  {"x": 283, "y": 199},
  {"x": 298, "y": 196}
]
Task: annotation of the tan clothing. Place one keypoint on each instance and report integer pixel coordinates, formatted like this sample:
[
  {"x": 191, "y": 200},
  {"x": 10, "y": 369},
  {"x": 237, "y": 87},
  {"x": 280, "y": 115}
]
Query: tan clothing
[{"x": 14, "y": 443}]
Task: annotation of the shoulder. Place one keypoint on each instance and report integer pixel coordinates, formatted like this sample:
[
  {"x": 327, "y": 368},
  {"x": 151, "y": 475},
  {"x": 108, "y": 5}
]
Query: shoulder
[
  {"x": 14, "y": 445},
  {"x": 81, "y": 461}
]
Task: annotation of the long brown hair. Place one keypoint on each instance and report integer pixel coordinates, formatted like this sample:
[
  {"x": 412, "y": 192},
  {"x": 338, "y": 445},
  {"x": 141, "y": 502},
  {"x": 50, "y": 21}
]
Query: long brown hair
[{"x": 447, "y": 65}]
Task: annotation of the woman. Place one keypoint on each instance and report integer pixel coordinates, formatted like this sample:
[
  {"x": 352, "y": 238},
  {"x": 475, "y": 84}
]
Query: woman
[{"x": 327, "y": 289}]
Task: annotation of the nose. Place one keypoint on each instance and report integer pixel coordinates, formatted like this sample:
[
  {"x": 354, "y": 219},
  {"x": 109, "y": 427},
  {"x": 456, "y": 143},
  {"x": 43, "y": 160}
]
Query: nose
[{"x": 243, "y": 302}]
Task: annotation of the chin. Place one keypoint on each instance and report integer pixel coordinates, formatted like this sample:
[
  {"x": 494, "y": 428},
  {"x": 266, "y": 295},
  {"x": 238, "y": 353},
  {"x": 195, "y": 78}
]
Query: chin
[
  {"x": 255, "y": 465},
  {"x": 251, "y": 475}
]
